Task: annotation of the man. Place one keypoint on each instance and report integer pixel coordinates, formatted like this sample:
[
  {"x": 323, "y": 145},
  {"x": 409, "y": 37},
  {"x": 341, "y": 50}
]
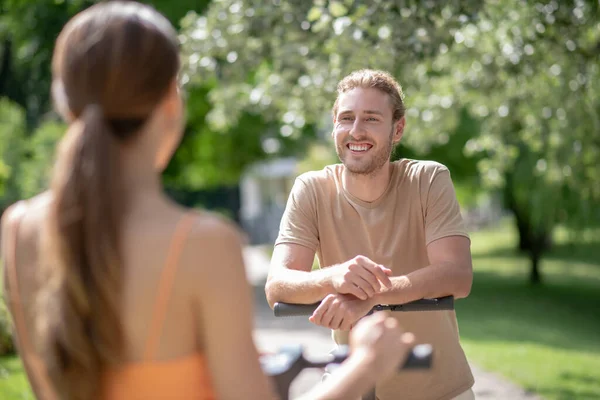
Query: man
[{"x": 384, "y": 233}]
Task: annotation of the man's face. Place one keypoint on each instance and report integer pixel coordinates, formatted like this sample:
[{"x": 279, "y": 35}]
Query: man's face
[{"x": 364, "y": 132}]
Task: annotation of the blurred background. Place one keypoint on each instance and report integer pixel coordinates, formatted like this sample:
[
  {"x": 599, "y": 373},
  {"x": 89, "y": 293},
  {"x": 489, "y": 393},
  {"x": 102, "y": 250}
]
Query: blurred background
[{"x": 505, "y": 93}]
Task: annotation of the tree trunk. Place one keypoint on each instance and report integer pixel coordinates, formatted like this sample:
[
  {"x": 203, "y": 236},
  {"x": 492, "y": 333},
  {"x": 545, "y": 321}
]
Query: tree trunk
[
  {"x": 528, "y": 236},
  {"x": 524, "y": 230},
  {"x": 5, "y": 67},
  {"x": 535, "y": 278},
  {"x": 533, "y": 240}
]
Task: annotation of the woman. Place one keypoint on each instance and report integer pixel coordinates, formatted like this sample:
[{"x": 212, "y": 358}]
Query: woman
[{"x": 116, "y": 292}]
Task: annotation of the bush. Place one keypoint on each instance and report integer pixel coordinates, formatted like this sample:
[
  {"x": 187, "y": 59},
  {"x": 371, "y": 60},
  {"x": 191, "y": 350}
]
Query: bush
[
  {"x": 12, "y": 129},
  {"x": 6, "y": 341}
]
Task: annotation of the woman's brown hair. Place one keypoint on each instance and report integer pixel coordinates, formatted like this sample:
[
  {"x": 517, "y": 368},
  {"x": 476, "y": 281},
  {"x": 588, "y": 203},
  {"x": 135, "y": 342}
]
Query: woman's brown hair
[{"x": 112, "y": 65}]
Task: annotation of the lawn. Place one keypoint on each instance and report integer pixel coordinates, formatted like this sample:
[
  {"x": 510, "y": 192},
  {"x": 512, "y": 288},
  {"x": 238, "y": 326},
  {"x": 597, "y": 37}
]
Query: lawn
[
  {"x": 545, "y": 338},
  {"x": 13, "y": 384}
]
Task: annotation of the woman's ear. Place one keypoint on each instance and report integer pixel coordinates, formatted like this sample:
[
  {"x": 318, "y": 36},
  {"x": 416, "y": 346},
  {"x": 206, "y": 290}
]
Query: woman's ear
[
  {"x": 60, "y": 101},
  {"x": 172, "y": 102}
]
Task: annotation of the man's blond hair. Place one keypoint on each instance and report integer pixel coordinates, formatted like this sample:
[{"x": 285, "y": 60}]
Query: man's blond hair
[{"x": 381, "y": 80}]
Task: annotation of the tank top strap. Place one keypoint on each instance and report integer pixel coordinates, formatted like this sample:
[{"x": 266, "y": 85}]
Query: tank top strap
[{"x": 165, "y": 284}]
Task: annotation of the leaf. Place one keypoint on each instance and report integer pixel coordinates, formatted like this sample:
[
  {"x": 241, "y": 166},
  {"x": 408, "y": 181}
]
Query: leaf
[
  {"x": 314, "y": 14},
  {"x": 337, "y": 9}
]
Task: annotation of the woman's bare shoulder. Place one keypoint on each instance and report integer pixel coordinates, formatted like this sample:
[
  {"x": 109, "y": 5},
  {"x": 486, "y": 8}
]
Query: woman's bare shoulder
[
  {"x": 214, "y": 245},
  {"x": 215, "y": 227},
  {"x": 29, "y": 215}
]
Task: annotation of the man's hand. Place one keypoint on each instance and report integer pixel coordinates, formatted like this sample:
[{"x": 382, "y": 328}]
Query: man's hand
[
  {"x": 360, "y": 277},
  {"x": 340, "y": 311}
]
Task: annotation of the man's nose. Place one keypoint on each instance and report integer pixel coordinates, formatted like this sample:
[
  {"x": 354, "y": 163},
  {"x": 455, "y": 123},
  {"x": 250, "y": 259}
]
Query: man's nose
[{"x": 357, "y": 128}]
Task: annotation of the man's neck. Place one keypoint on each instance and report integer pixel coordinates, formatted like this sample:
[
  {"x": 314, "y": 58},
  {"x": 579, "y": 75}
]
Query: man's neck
[{"x": 367, "y": 187}]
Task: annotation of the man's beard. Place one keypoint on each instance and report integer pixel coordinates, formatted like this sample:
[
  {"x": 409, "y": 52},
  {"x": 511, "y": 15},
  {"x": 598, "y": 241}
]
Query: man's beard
[{"x": 370, "y": 164}]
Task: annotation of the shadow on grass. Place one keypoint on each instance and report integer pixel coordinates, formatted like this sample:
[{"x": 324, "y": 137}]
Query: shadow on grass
[
  {"x": 504, "y": 308},
  {"x": 587, "y": 387},
  {"x": 587, "y": 252},
  {"x": 566, "y": 394},
  {"x": 10, "y": 364}
]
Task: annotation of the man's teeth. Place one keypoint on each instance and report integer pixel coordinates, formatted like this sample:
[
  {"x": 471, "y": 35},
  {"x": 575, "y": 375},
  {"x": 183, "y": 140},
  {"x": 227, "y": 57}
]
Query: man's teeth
[{"x": 358, "y": 147}]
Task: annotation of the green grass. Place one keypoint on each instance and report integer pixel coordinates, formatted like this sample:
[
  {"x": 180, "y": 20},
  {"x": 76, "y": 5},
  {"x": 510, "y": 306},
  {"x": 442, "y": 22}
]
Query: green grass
[
  {"x": 13, "y": 382},
  {"x": 545, "y": 338}
]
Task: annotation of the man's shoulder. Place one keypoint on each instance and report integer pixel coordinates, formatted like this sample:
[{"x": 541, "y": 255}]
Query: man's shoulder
[
  {"x": 321, "y": 178},
  {"x": 419, "y": 169}
]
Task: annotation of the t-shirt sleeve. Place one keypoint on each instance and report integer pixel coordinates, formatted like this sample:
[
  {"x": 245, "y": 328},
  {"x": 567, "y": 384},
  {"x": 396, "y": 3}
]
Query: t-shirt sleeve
[
  {"x": 299, "y": 222},
  {"x": 442, "y": 211}
]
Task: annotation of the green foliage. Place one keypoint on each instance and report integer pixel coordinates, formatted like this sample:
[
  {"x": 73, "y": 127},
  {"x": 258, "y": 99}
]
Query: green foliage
[
  {"x": 283, "y": 60},
  {"x": 12, "y": 128},
  {"x": 209, "y": 156},
  {"x": 25, "y": 162},
  {"x": 7, "y": 345},
  {"x": 41, "y": 148},
  {"x": 28, "y": 30},
  {"x": 6, "y": 341},
  {"x": 532, "y": 79},
  {"x": 175, "y": 10}
]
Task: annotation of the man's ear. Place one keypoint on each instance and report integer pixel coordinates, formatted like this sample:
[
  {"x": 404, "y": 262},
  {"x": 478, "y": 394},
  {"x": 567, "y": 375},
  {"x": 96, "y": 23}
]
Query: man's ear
[
  {"x": 398, "y": 129},
  {"x": 333, "y": 130}
]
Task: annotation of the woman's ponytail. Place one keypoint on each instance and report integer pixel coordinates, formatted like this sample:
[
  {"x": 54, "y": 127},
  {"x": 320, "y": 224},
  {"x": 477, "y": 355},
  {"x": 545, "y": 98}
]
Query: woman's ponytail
[{"x": 81, "y": 330}]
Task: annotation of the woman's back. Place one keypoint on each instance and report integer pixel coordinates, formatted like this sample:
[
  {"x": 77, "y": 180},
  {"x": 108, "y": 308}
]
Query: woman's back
[{"x": 159, "y": 317}]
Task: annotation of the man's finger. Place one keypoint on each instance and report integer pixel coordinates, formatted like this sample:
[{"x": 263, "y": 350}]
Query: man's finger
[
  {"x": 336, "y": 320},
  {"x": 317, "y": 316},
  {"x": 382, "y": 275},
  {"x": 345, "y": 325},
  {"x": 365, "y": 285},
  {"x": 329, "y": 316},
  {"x": 357, "y": 291},
  {"x": 378, "y": 270},
  {"x": 367, "y": 274}
]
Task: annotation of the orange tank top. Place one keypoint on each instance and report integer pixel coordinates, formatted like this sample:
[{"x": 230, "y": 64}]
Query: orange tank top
[{"x": 184, "y": 378}]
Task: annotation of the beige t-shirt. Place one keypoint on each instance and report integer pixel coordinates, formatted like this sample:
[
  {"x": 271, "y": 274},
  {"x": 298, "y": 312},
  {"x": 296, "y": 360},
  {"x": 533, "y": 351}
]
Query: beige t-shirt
[{"x": 418, "y": 207}]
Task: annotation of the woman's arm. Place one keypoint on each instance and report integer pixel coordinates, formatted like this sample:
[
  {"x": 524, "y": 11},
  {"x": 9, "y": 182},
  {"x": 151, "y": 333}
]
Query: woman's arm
[{"x": 223, "y": 305}]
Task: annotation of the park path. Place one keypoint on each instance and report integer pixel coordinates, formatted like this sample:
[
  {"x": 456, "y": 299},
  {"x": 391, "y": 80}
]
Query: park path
[{"x": 270, "y": 333}]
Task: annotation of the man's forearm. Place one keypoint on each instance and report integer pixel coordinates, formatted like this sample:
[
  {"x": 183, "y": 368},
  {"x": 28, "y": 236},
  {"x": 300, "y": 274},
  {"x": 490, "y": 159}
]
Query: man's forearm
[
  {"x": 300, "y": 287},
  {"x": 438, "y": 280}
]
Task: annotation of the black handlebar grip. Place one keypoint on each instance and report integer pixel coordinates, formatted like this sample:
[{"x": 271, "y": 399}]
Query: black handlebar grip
[
  {"x": 436, "y": 304},
  {"x": 294, "y": 310}
]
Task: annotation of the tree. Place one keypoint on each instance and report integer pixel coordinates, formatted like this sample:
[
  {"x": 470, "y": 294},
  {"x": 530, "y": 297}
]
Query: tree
[
  {"x": 28, "y": 30},
  {"x": 40, "y": 148},
  {"x": 12, "y": 127},
  {"x": 282, "y": 60},
  {"x": 532, "y": 78}
]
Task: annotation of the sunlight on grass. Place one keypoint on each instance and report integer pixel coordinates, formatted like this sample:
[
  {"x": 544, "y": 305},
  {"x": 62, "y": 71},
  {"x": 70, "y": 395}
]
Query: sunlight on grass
[
  {"x": 13, "y": 383},
  {"x": 544, "y": 338}
]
